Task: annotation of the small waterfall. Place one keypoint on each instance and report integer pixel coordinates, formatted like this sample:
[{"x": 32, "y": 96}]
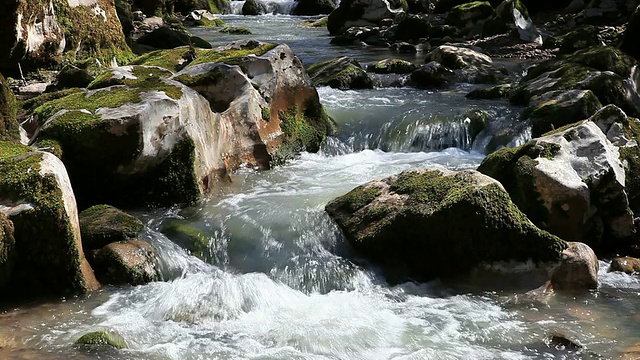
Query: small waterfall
[
  {"x": 284, "y": 7},
  {"x": 425, "y": 136}
]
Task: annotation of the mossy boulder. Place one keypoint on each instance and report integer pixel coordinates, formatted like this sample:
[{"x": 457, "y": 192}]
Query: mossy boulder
[
  {"x": 606, "y": 71},
  {"x": 313, "y": 7},
  {"x": 397, "y": 221},
  {"x": 130, "y": 262},
  {"x": 235, "y": 30},
  {"x": 512, "y": 15},
  {"x": 583, "y": 37},
  {"x": 9, "y": 127},
  {"x": 43, "y": 34},
  {"x": 341, "y": 73},
  {"x": 254, "y": 7},
  {"x": 392, "y": 66},
  {"x": 630, "y": 41},
  {"x": 469, "y": 65},
  {"x": 362, "y": 13},
  {"x": 37, "y": 198},
  {"x": 491, "y": 93},
  {"x": 104, "y": 224},
  {"x": 469, "y": 13},
  {"x": 102, "y": 338},
  {"x": 555, "y": 109},
  {"x": 571, "y": 183}
]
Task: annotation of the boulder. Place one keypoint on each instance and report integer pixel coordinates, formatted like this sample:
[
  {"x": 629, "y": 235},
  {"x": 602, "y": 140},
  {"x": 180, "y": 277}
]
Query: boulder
[
  {"x": 466, "y": 15},
  {"x": 361, "y": 13},
  {"x": 144, "y": 135},
  {"x": 432, "y": 75},
  {"x": 43, "y": 36},
  {"x": 512, "y": 15},
  {"x": 443, "y": 6},
  {"x": 254, "y": 7},
  {"x": 131, "y": 262},
  {"x": 491, "y": 93},
  {"x": 417, "y": 26},
  {"x": 469, "y": 65},
  {"x": 7, "y": 252},
  {"x": 608, "y": 72},
  {"x": 554, "y": 109},
  {"x": 37, "y": 198},
  {"x": 102, "y": 338},
  {"x": 577, "y": 269},
  {"x": 626, "y": 265},
  {"x": 341, "y": 73},
  {"x": 168, "y": 38},
  {"x": 411, "y": 223},
  {"x": 103, "y": 224},
  {"x": 583, "y": 37},
  {"x": 313, "y": 7},
  {"x": 420, "y": 6},
  {"x": 392, "y": 66},
  {"x": 9, "y": 127},
  {"x": 629, "y": 41},
  {"x": 570, "y": 182},
  {"x": 125, "y": 15}
]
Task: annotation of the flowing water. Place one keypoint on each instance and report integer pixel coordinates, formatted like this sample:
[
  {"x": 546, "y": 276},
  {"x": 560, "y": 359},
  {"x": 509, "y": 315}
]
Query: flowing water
[{"x": 279, "y": 280}]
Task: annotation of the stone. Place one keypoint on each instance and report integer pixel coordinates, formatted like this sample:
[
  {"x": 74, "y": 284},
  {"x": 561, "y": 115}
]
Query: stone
[
  {"x": 552, "y": 110},
  {"x": 570, "y": 182},
  {"x": 254, "y": 7},
  {"x": 415, "y": 26},
  {"x": 629, "y": 41},
  {"x": 469, "y": 65},
  {"x": 512, "y": 15},
  {"x": 102, "y": 338},
  {"x": 465, "y": 15},
  {"x": 38, "y": 200},
  {"x": 168, "y": 38},
  {"x": 45, "y": 36},
  {"x": 626, "y": 265},
  {"x": 9, "y": 126},
  {"x": 577, "y": 270},
  {"x": 583, "y": 37},
  {"x": 313, "y": 7},
  {"x": 361, "y": 13},
  {"x": 189, "y": 237},
  {"x": 104, "y": 224},
  {"x": 433, "y": 75},
  {"x": 131, "y": 262},
  {"x": 125, "y": 15},
  {"x": 7, "y": 246},
  {"x": 72, "y": 76},
  {"x": 410, "y": 224},
  {"x": 491, "y": 93},
  {"x": 392, "y": 66},
  {"x": 341, "y": 73}
]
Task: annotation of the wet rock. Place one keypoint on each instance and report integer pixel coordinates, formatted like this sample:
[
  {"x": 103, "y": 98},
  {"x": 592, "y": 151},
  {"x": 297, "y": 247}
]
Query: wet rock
[
  {"x": 433, "y": 75},
  {"x": 581, "y": 38},
  {"x": 414, "y": 27},
  {"x": 361, "y": 13},
  {"x": 189, "y": 237},
  {"x": 104, "y": 224},
  {"x": 630, "y": 42},
  {"x": 469, "y": 65},
  {"x": 491, "y": 93},
  {"x": 392, "y": 66},
  {"x": 626, "y": 265},
  {"x": 577, "y": 270},
  {"x": 341, "y": 73},
  {"x": 512, "y": 15},
  {"x": 631, "y": 353},
  {"x": 561, "y": 342},
  {"x": 552, "y": 110},
  {"x": 37, "y": 198},
  {"x": 40, "y": 36},
  {"x": 313, "y": 7},
  {"x": 570, "y": 183},
  {"x": 254, "y": 7},
  {"x": 131, "y": 262},
  {"x": 102, "y": 338},
  {"x": 9, "y": 127},
  {"x": 72, "y": 76},
  {"x": 168, "y": 38},
  {"x": 467, "y": 14},
  {"x": 395, "y": 221}
]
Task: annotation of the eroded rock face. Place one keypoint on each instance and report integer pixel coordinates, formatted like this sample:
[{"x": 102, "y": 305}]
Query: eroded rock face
[
  {"x": 570, "y": 183},
  {"x": 156, "y": 140},
  {"x": 410, "y": 223},
  {"x": 361, "y": 13},
  {"x": 36, "y": 196},
  {"x": 41, "y": 33}
]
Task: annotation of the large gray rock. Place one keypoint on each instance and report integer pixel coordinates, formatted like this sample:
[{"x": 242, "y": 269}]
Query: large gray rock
[
  {"x": 411, "y": 223},
  {"x": 47, "y": 257},
  {"x": 570, "y": 183},
  {"x": 361, "y": 13},
  {"x": 469, "y": 65}
]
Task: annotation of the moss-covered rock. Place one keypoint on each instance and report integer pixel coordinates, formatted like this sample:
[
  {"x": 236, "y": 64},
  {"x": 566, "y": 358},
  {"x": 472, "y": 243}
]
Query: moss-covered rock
[
  {"x": 411, "y": 222},
  {"x": 320, "y": 23},
  {"x": 470, "y": 12},
  {"x": 168, "y": 38},
  {"x": 392, "y": 66},
  {"x": 556, "y": 109},
  {"x": 313, "y": 7},
  {"x": 491, "y": 93},
  {"x": 512, "y": 15},
  {"x": 342, "y": 73},
  {"x": 254, "y": 7},
  {"x": 583, "y": 37},
  {"x": 7, "y": 249},
  {"x": 189, "y": 237},
  {"x": 130, "y": 262},
  {"x": 104, "y": 224},
  {"x": 102, "y": 338},
  {"x": 38, "y": 199},
  {"x": 9, "y": 127},
  {"x": 570, "y": 183},
  {"x": 235, "y": 30}
]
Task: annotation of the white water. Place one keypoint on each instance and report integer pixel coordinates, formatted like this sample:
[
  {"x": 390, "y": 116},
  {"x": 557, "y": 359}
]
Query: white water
[{"x": 273, "y": 6}]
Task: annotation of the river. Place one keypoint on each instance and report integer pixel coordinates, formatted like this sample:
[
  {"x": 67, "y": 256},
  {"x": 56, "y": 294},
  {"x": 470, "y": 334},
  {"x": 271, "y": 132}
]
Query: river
[{"x": 280, "y": 282}]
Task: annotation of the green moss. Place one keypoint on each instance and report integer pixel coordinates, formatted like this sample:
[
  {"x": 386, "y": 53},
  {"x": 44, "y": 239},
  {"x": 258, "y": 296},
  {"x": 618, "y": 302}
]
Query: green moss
[
  {"x": 30, "y": 105},
  {"x": 303, "y": 131},
  {"x": 236, "y": 30},
  {"x": 211, "y": 24},
  {"x": 358, "y": 198},
  {"x": 7, "y": 246},
  {"x": 50, "y": 146},
  {"x": 104, "y": 224},
  {"x": 9, "y": 149},
  {"x": 491, "y": 93},
  {"x": 9, "y": 127},
  {"x": 392, "y": 66},
  {"x": 320, "y": 23},
  {"x": 266, "y": 114},
  {"x": 209, "y": 78},
  {"x": 102, "y": 338}
]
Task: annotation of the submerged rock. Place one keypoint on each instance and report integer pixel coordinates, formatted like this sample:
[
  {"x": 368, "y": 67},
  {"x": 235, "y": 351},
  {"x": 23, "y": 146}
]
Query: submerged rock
[
  {"x": 37, "y": 198},
  {"x": 341, "y": 73},
  {"x": 104, "y": 224},
  {"x": 103, "y": 338},
  {"x": 131, "y": 262},
  {"x": 570, "y": 183},
  {"x": 411, "y": 223}
]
